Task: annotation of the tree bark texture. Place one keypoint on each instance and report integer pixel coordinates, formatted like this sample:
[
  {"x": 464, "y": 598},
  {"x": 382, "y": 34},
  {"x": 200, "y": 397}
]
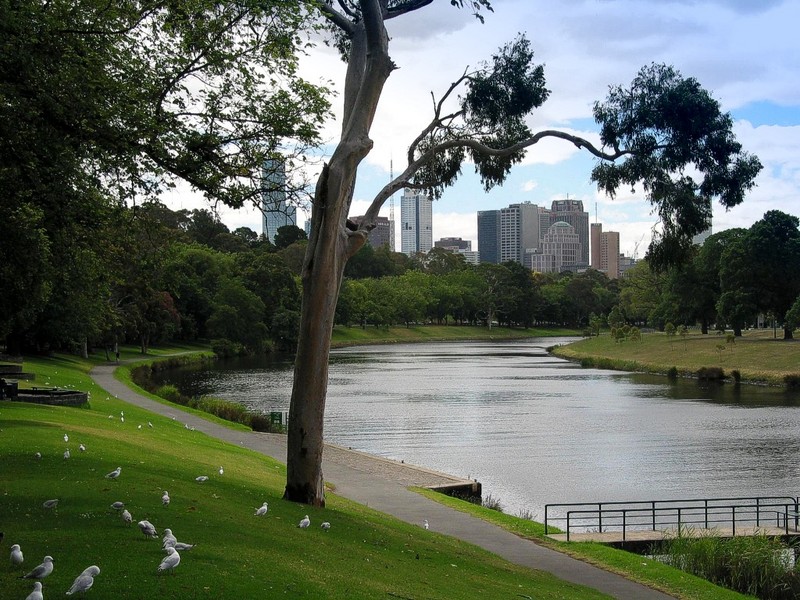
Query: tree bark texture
[{"x": 330, "y": 246}]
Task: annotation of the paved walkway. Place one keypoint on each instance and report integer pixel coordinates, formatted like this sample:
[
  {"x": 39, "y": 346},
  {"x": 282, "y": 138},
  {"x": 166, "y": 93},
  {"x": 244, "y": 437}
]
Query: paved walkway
[{"x": 382, "y": 484}]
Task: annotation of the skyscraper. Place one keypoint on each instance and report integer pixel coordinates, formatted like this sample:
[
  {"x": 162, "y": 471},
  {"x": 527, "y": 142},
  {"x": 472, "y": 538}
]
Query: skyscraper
[
  {"x": 273, "y": 200},
  {"x": 520, "y": 230},
  {"x": 489, "y": 236},
  {"x": 559, "y": 248},
  {"x": 380, "y": 235},
  {"x": 416, "y": 216},
  {"x": 571, "y": 211},
  {"x": 605, "y": 251}
]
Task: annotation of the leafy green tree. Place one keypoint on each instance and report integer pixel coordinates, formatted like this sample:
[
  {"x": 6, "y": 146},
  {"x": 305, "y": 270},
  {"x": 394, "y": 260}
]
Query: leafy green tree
[
  {"x": 651, "y": 133},
  {"x": 792, "y": 318},
  {"x": 288, "y": 235},
  {"x": 616, "y": 318},
  {"x": 100, "y": 108},
  {"x": 238, "y": 316}
]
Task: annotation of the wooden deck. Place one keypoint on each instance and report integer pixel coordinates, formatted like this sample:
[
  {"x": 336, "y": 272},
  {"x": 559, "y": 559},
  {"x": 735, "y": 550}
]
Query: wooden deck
[{"x": 645, "y": 535}]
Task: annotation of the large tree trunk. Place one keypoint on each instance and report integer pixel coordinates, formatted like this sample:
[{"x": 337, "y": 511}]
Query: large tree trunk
[
  {"x": 330, "y": 246},
  {"x": 787, "y": 333}
]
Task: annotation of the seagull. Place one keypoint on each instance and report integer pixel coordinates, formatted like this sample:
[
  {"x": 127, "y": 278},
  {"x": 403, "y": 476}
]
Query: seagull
[
  {"x": 82, "y": 448},
  {"x": 148, "y": 528},
  {"x": 168, "y": 540},
  {"x": 165, "y": 498},
  {"x": 171, "y": 560},
  {"x": 84, "y": 581},
  {"x": 139, "y": 427},
  {"x": 36, "y": 594},
  {"x": 118, "y": 505},
  {"x": 221, "y": 471},
  {"x": 304, "y": 523},
  {"x": 16, "y": 555},
  {"x": 122, "y": 419},
  {"x": 50, "y": 503},
  {"x": 262, "y": 510},
  {"x": 66, "y": 438},
  {"x": 149, "y": 424},
  {"x": 425, "y": 524},
  {"x": 183, "y": 546},
  {"x": 38, "y": 455},
  {"x": 202, "y": 478},
  {"x": 42, "y": 571},
  {"x": 126, "y": 516},
  {"x": 114, "y": 474},
  {"x": 326, "y": 526},
  {"x": 66, "y": 454}
]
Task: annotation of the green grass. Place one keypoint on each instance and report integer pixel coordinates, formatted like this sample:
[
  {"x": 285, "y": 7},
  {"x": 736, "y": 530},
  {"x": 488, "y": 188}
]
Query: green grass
[
  {"x": 633, "y": 566},
  {"x": 365, "y": 554},
  {"x": 345, "y": 336},
  {"x": 756, "y": 355}
]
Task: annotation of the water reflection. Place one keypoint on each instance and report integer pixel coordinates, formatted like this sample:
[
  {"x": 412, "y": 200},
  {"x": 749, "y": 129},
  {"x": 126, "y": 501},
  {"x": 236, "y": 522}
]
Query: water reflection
[{"x": 535, "y": 429}]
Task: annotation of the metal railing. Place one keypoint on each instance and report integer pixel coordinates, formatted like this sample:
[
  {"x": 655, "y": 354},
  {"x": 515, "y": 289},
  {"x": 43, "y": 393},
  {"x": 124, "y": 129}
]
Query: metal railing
[{"x": 657, "y": 515}]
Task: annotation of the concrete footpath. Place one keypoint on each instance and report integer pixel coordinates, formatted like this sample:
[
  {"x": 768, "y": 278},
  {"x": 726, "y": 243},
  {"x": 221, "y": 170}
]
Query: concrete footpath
[{"x": 382, "y": 485}]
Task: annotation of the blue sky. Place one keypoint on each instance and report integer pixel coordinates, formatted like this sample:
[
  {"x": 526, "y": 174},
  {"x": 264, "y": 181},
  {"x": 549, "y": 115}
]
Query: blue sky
[{"x": 743, "y": 51}]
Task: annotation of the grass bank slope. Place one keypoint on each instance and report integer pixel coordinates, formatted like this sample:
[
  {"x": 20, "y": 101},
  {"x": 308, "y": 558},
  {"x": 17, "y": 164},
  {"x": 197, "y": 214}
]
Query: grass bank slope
[
  {"x": 364, "y": 555},
  {"x": 757, "y": 356},
  {"x": 349, "y": 336}
]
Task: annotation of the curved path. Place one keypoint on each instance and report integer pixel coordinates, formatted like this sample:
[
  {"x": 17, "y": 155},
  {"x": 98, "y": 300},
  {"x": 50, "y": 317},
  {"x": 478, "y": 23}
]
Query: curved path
[{"x": 382, "y": 484}]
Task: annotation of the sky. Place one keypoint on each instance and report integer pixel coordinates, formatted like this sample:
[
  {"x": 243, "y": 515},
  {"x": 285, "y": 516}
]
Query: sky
[{"x": 742, "y": 51}]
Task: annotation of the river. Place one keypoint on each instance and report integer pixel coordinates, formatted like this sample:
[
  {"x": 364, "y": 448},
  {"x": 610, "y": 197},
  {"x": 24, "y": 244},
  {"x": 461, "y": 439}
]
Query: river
[{"x": 535, "y": 429}]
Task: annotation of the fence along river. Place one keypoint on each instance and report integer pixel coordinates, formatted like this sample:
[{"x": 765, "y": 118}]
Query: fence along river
[{"x": 535, "y": 429}]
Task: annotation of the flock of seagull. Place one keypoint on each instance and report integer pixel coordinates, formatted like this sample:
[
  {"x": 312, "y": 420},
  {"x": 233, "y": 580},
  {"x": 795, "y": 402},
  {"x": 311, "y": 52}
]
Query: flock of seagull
[{"x": 170, "y": 544}]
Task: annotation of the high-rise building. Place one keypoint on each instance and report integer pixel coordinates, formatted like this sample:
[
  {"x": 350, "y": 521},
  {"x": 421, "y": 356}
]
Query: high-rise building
[
  {"x": 519, "y": 231},
  {"x": 453, "y": 243},
  {"x": 416, "y": 216},
  {"x": 489, "y": 236},
  {"x": 571, "y": 211},
  {"x": 276, "y": 213},
  {"x": 560, "y": 248},
  {"x": 605, "y": 251},
  {"x": 380, "y": 235}
]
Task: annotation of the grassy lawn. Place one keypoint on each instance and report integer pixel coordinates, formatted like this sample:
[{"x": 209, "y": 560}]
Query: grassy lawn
[
  {"x": 756, "y": 355},
  {"x": 364, "y": 555},
  {"x": 347, "y": 336}
]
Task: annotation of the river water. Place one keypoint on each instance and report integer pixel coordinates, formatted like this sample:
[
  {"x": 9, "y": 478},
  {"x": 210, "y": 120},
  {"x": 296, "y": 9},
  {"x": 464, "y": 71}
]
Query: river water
[{"x": 535, "y": 429}]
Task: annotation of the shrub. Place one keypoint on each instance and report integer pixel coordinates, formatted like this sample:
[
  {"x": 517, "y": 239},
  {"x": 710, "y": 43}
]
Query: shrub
[
  {"x": 672, "y": 373},
  {"x": 224, "y": 409},
  {"x": 171, "y": 393},
  {"x": 226, "y": 348},
  {"x": 711, "y": 374},
  {"x": 792, "y": 381},
  {"x": 737, "y": 376},
  {"x": 492, "y": 503}
]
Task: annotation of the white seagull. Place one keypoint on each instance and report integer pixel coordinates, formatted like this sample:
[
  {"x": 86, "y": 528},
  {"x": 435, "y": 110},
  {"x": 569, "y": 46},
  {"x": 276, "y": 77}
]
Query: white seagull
[
  {"x": 165, "y": 498},
  {"x": 50, "y": 503},
  {"x": 36, "y": 594},
  {"x": 425, "y": 524},
  {"x": 201, "y": 478},
  {"x": 118, "y": 505},
  {"x": 171, "y": 560},
  {"x": 84, "y": 581},
  {"x": 16, "y": 555},
  {"x": 221, "y": 471},
  {"x": 114, "y": 474},
  {"x": 304, "y": 522},
  {"x": 38, "y": 455},
  {"x": 182, "y": 546},
  {"x": 168, "y": 540},
  {"x": 66, "y": 437},
  {"x": 82, "y": 448},
  {"x": 262, "y": 510},
  {"x": 326, "y": 526},
  {"x": 41, "y": 571},
  {"x": 126, "y": 516},
  {"x": 66, "y": 454},
  {"x": 148, "y": 528},
  {"x": 149, "y": 424}
]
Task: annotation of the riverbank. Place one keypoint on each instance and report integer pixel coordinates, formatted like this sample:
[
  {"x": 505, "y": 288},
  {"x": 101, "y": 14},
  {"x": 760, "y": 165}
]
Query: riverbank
[
  {"x": 355, "y": 336},
  {"x": 756, "y": 357}
]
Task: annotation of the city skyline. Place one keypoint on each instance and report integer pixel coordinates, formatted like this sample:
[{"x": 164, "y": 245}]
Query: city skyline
[{"x": 740, "y": 51}]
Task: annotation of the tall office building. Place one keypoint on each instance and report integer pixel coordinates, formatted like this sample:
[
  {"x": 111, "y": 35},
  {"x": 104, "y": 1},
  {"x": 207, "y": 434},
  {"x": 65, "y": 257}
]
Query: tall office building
[
  {"x": 560, "y": 248},
  {"x": 416, "y": 216},
  {"x": 571, "y": 211},
  {"x": 489, "y": 236},
  {"x": 380, "y": 235},
  {"x": 276, "y": 213},
  {"x": 519, "y": 231},
  {"x": 605, "y": 251}
]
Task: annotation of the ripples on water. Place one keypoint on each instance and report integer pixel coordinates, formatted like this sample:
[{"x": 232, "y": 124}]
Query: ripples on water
[{"x": 535, "y": 429}]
